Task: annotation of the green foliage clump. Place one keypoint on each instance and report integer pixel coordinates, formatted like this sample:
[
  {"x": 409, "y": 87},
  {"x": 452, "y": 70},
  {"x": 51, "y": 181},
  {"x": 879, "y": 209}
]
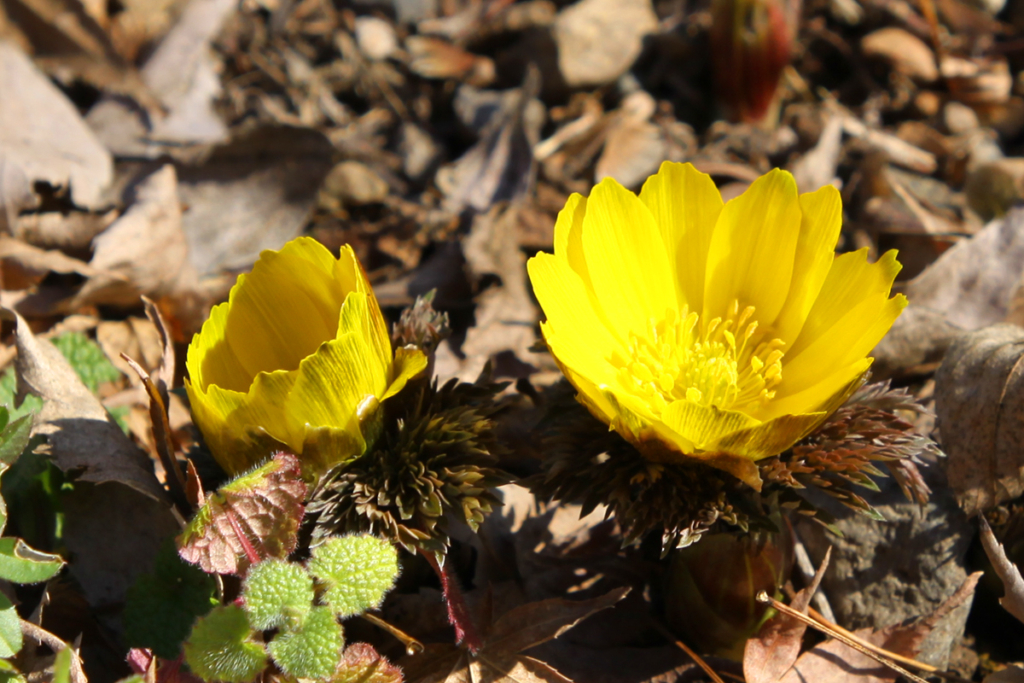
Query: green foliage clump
[
  {"x": 19, "y": 563},
  {"x": 302, "y": 604},
  {"x": 87, "y": 359}
]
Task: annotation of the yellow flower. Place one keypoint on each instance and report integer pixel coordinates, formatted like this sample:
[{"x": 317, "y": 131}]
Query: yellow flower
[
  {"x": 299, "y": 358},
  {"x": 697, "y": 330}
]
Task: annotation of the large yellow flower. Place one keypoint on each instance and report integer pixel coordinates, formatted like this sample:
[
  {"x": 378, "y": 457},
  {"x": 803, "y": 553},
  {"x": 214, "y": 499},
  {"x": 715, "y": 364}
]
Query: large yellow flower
[
  {"x": 701, "y": 330},
  {"x": 299, "y": 357}
]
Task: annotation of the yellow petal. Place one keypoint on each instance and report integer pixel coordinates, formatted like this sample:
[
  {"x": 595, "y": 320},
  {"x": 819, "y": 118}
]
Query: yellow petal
[
  {"x": 626, "y": 257},
  {"x": 275, "y": 316},
  {"x": 830, "y": 392},
  {"x": 685, "y": 204},
  {"x": 822, "y": 219},
  {"x": 850, "y": 280},
  {"x": 704, "y": 426},
  {"x": 769, "y": 438},
  {"x": 848, "y": 341},
  {"x": 409, "y": 362},
  {"x": 569, "y": 234},
  {"x": 349, "y": 274},
  {"x": 752, "y": 250},
  {"x": 568, "y": 306}
]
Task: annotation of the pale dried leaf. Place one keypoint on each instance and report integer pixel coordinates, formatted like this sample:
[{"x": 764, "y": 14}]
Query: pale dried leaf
[
  {"x": 144, "y": 252},
  {"x": 598, "y": 40},
  {"x": 973, "y": 282},
  {"x": 1013, "y": 584},
  {"x": 42, "y": 134},
  {"x": 771, "y": 653},
  {"x": 634, "y": 147},
  {"x": 500, "y": 167},
  {"x": 81, "y": 434},
  {"x": 979, "y": 400},
  {"x": 903, "y": 51},
  {"x": 252, "y": 194}
]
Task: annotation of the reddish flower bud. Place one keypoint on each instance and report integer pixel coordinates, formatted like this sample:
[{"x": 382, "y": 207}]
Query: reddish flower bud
[{"x": 751, "y": 41}]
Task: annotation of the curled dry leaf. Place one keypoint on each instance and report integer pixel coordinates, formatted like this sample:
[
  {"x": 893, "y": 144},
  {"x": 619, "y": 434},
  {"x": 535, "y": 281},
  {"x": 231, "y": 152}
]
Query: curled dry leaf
[
  {"x": 435, "y": 58},
  {"x": 1013, "y": 583},
  {"x": 979, "y": 399},
  {"x": 904, "y": 51},
  {"x": 80, "y": 433}
]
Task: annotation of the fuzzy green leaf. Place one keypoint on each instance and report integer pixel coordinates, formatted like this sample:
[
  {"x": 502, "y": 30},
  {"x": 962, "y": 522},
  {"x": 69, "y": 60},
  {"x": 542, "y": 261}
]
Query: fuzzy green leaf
[
  {"x": 358, "y": 572},
  {"x": 221, "y": 647},
  {"x": 314, "y": 649},
  {"x": 162, "y": 606},
  {"x": 10, "y": 628},
  {"x": 87, "y": 359},
  {"x": 277, "y": 593},
  {"x": 21, "y": 564}
]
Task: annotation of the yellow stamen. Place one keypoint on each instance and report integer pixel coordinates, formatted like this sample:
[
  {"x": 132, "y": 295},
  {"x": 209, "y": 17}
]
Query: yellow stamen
[{"x": 718, "y": 364}]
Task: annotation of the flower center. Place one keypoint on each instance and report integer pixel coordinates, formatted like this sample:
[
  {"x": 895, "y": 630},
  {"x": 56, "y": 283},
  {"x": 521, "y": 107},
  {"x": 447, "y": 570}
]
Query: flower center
[{"x": 718, "y": 363}]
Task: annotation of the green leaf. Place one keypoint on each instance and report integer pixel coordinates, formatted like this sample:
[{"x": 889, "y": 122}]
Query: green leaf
[
  {"x": 9, "y": 673},
  {"x": 62, "y": 666},
  {"x": 358, "y": 572},
  {"x": 14, "y": 438},
  {"x": 87, "y": 359},
  {"x": 277, "y": 593},
  {"x": 314, "y": 649},
  {"x": 9, "y": 389},
  {"x": 21, "y": 564},
  {"x": 221, "y": 647},
  {"x": 10, "y": 628},
  {"x": 162, "y": 606}
]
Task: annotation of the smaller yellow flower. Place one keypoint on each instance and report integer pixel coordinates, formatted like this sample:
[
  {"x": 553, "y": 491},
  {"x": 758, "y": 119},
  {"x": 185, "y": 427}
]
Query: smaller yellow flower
[
  {"x": 698, "y": 330},
  {"x": 299, "y": 358}
]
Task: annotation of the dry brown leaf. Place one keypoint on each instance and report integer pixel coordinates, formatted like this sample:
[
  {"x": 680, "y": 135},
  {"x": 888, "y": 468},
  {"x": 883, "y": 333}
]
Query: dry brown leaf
[
  {"x": 979, "y": 399},
  {"x": 42, "y": 134},
  {"x": 24, "y": 265},
  {"x": 598, "y": 40},
  {"x": 633, "y": 147},
  {"x": 905, "y": 52},
  {"x": 505, "y": 314},
  {"x": 81, "y": 435},
  {"x": 771, "y": 653},
  {"x": 183, "y": 75},
  {"x": 973, "y": 282},
  {"x": 499, "y": 660},
  {"x": 252, "y": 194},
  {"x": 500, "y": 167},
  {"x": 144, "y": 252},
  {"x": 835, "y": 662},
  {"x": 435, "y": 58},
  {"x": 1011, "y": 674},
  {"x": 1013, "y": 583}
]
